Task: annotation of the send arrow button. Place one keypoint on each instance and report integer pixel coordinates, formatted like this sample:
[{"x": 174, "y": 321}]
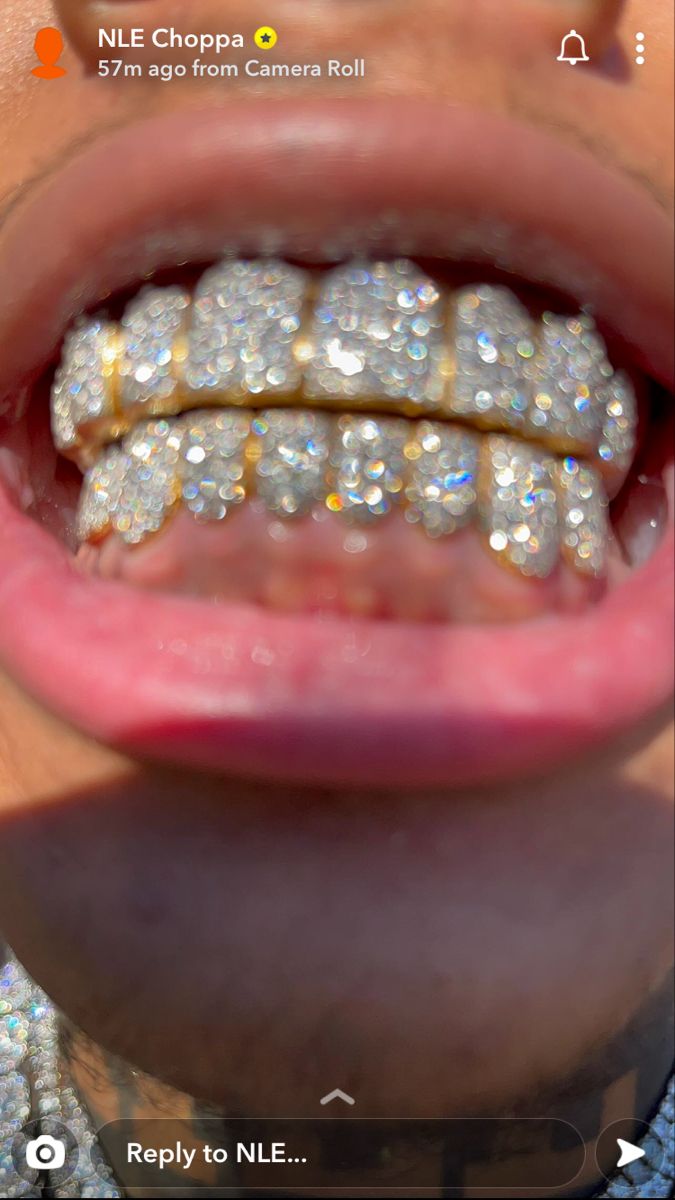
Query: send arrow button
[
  {"x": 620, "y": 1146},
  {"x": 629, "y": 1152}
]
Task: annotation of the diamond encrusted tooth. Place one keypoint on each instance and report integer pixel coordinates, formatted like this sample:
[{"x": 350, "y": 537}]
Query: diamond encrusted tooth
[
  {"x": 377, "y": 333},
  {"x": 82, "y": 389},
  {"x": 151, "y": 326},
  {"x": 101, "y": 494},
  {"x": 442, "y": 488},
  {"x": 619, "y": 428},
  {"x": 494, "y": 346},
  {"x": 293, "y": 448},
  {"x": 518, "y": 506},
  {"x": 151, "y": 483},
  {"x": 368, "y": 466},
  {"x": 570, "y": 372},
  {"x": 584, "y": 515},
  {"x": 213, "y": 461},
  {"x": 245, "y": 318}
]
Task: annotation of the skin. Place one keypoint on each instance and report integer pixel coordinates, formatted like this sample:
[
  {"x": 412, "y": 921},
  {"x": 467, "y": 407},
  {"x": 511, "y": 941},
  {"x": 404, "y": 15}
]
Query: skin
[{"x": 437, "y": 953}]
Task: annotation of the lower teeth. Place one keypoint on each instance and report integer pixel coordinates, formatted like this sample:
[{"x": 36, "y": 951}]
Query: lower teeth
[{"x": 532, "y": 507}]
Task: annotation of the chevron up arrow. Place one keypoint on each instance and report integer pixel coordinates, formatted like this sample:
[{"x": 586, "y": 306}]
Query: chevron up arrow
[{"x": 337, "y": 1095}]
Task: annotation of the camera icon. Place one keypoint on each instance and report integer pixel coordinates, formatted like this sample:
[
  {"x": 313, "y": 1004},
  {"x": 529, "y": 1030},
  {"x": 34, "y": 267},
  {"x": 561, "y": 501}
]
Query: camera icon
[
  {"x": 45, "y": 1153},
  {"x": 44, "y": 1144}
]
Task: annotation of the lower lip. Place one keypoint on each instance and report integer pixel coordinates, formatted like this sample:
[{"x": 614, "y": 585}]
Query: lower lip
[{"x": 296, "y": 699}]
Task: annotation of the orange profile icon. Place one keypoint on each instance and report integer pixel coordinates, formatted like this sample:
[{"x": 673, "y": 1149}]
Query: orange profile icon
[{"x": 49, "y": 48}]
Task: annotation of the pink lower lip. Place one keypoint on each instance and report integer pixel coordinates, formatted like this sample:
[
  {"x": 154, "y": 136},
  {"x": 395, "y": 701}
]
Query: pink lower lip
[
  {"x": 250, "y": 693},
  {"x": 244, "y": 691}
]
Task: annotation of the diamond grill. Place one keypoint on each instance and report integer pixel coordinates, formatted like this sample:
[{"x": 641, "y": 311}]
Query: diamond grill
[{"x": 363, "y": 337}]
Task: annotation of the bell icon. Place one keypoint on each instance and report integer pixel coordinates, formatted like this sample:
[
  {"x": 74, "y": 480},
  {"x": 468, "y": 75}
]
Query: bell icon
[{"x": 573, "y": 49}]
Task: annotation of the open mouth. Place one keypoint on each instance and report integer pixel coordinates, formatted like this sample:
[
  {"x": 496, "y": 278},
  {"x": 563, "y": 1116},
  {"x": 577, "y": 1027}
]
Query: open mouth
[
  {"x": 324, "y": 488},
  {"x": 362, "y": 337}
]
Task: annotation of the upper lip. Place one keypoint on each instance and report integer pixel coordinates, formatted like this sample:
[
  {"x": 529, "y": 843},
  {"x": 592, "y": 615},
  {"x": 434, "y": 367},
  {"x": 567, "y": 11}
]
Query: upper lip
[
  {"x": 332, "y": 177},
  {"x": 248, "y": 691}
]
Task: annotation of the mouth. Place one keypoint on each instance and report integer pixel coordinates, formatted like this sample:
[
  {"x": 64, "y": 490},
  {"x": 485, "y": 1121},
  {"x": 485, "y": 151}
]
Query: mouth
[{"x": 321, "y": 460}]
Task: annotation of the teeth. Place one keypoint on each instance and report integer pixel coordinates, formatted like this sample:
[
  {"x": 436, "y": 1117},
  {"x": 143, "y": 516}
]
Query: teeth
[
  {"x": 617, "y": 443},
  {"x": 370, "y": 336},
  {"x": 585, "y": 517},
  {"x": 570, "y": 372},
  {"x": 494, "y": 346},
  {"x": 368, "y": 466},
  {"x": 533, "y": 507},
  {"x": 292, "y": 454},
  {"x": 150, "y": 487},
  {"x": 380, "y": 336},
  {"x": 151, "y": 325},
  {"x": 133, "y": 486},
  {"x": 82, "y": 390},
  {"x": 101, "y": 494},
  {"x": 245, "y": 318},
  {"x": 519, "y": 511},
  {"x": 213, "y": 462},
  {"x": 442, "y": 490},
  {"x": 377, "y": 330}
]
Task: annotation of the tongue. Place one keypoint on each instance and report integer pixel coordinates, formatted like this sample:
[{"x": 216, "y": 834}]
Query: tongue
[{"x": 320, "y": 565}]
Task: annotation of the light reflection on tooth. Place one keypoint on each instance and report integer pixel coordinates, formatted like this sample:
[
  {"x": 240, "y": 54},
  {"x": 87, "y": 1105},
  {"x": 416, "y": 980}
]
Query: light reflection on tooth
[
  {"x": 518, "y": 505},
  {"x": 82, "y": 384},
  {"x": 584, "y": 516},
  {"x": 293, "y": 454},
  {"x": 368, "y": 466},
  {"x": 377, "y": 331},
  {"x": 151, "y": 482},
  {"x": 245, "y": 318},
  {"x": 494, "y": 347},
  {"x": 443, "y": 476},
  {"x": 213, "y": 461},
  {"x": 151, "y": 324},
  {"x": 570, "y": 371}
]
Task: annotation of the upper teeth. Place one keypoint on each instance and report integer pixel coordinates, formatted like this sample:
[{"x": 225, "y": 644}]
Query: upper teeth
[{"x": 360, "y": 336}]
